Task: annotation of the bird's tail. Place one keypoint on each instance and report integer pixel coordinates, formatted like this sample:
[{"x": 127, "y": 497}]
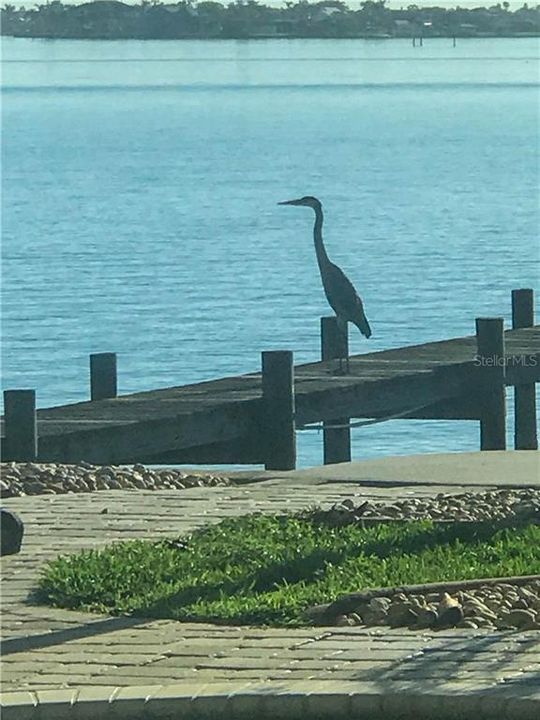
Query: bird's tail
[{"x": 362, "y": 324}]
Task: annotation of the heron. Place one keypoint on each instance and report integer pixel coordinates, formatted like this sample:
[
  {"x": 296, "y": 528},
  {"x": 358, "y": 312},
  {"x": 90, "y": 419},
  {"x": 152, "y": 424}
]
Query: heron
[{"x": 339, "y": 290}]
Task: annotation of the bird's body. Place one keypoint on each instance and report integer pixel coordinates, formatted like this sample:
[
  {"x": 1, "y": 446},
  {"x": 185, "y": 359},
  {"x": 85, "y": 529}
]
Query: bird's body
[{"x": 339, "y": 291}]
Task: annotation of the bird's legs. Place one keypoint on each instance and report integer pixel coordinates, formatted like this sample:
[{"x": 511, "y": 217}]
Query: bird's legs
[
  {"x": 344, "y": 349},
  {"x": 347, "y": 370}
]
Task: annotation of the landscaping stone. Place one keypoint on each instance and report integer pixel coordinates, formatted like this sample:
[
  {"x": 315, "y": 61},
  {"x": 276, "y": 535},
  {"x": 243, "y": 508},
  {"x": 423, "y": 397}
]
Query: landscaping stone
[
  {"x": 402, "y": 613},
  {"x": 427, "y": 617},
  {"x": 461, "y": 609},
  {"x": 465, "y": 507},
  {"x": 20, "y": 479},
  {"x": 12, "y": 531},
  {"x": 449, "y": 617},
  {"x": 518, "y": 618}
]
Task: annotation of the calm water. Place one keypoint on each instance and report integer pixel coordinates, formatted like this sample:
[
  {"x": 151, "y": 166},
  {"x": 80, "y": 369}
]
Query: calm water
[{"x": 140, "y": 182}]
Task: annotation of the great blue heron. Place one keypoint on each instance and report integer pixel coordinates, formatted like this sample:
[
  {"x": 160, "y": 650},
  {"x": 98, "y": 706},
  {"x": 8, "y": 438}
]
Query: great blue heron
[{"x": 339, "y": 290}]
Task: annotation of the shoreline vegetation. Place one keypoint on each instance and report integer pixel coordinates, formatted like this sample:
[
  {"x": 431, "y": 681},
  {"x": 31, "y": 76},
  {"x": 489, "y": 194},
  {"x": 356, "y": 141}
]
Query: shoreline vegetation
[{"x": 247, "y": 19}]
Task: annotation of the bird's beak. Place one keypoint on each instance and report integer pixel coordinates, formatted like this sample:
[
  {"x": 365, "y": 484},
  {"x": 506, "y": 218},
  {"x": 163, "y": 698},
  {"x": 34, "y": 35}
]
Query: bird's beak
[{"x": 289, "y": 202}]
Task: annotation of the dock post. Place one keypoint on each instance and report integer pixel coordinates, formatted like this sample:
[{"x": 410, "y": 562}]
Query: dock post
[
  {"x": 103, "y": 376},
  {"x": 525, "y": 431},
  {"x": 334, "y": 344},
  {"x": 491, "y": 359},
  {"x": 278, "y": 403},
  {"x": 20, "y": 428}
]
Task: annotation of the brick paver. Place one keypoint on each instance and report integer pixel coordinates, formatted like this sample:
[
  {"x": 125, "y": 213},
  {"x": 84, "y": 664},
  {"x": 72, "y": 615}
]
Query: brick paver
[{"x": 47, "y": 650}]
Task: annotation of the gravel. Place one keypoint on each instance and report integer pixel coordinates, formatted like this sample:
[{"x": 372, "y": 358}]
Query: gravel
[
  {"x": 498, "y": 606},
  {"x": 17, "y": 479},
  {"x": 464, "y": 507}
]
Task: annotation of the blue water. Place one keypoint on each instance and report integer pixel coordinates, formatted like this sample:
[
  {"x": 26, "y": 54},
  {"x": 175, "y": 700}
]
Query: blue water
[{"x": 140, "y": 182}]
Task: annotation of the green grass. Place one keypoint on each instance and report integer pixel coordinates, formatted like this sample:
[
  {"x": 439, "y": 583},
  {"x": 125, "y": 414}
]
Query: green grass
[{"x": 262, "y": 569}]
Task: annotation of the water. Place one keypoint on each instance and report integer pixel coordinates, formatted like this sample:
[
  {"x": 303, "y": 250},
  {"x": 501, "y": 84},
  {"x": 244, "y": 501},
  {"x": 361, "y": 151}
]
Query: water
[{"x": 140, "y": 182}]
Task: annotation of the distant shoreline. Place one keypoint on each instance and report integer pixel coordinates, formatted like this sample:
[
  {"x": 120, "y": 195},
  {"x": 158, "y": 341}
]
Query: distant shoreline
[
  {"x": 486, "y": 36},
  {"x": 251, "y": 20}
]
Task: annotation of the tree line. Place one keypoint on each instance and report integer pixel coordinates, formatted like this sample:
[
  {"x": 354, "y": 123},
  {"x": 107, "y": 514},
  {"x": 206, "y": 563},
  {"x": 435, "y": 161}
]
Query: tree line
[{"x": 243, "y": 19}]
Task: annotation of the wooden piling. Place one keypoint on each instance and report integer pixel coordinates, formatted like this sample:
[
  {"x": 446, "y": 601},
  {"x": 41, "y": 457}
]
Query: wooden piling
[
  {"x": 278, "y": 401},
  {"x": 223, "y": 419},
  {"x": 103, "y": 376},
  {"x": 525, "y": 430},
  {"x": 491, "y": 387},
  {"x": 335, "y": 344},
  {"x": 21, "y": 440}
]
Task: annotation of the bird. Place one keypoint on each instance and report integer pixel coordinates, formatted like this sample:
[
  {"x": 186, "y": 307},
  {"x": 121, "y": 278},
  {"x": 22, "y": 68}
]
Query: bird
[{"x": 339, "y": 290}]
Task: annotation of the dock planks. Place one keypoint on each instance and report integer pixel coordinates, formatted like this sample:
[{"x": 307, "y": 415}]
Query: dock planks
[{"x": 223, "y": 420}]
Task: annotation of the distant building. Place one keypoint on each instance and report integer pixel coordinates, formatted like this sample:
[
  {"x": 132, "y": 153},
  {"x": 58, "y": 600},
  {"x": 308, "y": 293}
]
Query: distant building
[
  {"x": 404, "y": 28},
  {"x": 468, "y": 29}
]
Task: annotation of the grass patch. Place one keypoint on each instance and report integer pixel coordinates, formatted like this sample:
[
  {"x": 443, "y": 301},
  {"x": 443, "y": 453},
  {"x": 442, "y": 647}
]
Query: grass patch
[{"x": 261, "y": 569}]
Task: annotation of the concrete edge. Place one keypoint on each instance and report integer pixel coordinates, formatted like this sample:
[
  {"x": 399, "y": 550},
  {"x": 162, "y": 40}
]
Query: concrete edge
[
  {"x": 503, "y": 469},
  {"x": 326, "y": 699}
]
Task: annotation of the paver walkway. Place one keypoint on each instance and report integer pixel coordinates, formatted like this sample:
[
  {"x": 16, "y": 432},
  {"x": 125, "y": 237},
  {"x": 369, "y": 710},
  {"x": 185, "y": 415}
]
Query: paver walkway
[{"x": 67, "y": 661}]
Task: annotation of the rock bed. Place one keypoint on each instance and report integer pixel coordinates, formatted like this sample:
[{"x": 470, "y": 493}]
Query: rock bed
[
  {"x": 492, "y": 606},
  {"x": 498, "y": 606},
  {"x": 464, "y": 507},
  {"x": 17, "y": 479}
]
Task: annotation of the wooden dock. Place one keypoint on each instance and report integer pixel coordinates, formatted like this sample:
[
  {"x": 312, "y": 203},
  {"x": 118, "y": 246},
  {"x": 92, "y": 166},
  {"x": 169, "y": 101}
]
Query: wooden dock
[{"x": 253, "y": 418}]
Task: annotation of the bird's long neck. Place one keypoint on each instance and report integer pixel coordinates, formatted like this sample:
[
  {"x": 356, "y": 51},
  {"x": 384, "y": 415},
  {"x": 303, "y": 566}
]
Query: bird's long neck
[{"x": 322, "y": 257}]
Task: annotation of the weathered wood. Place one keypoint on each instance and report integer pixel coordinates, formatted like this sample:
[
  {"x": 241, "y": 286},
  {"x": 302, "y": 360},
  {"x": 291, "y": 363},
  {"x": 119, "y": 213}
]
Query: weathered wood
[
  {"x": 432, "y": 380},
  {"x": 522, "y": 308},
  {"x": 316, "y": 402},
  {"x": 128, "y": 441},
  {"x": 103, "y": 376},
  {"x": 247, "y": 450},
  {"x": 278, "y": 410},
  {"x": 525, "y": 430},
  {"x": 335, "y": 344},
  {"x": 524, "y": 370},
  {"x": 491, "y": 386},
  {"x": 464, "y": 407},
  {"x": 21, "y": 439}
]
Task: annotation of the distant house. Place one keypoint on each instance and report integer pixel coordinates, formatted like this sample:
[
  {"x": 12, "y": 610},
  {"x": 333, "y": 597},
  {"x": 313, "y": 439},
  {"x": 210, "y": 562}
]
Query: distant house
[
  {"x": 322, "y": 13},
  {"x": 468, "y": 29},
  {"x": 404, "y": 28}
]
